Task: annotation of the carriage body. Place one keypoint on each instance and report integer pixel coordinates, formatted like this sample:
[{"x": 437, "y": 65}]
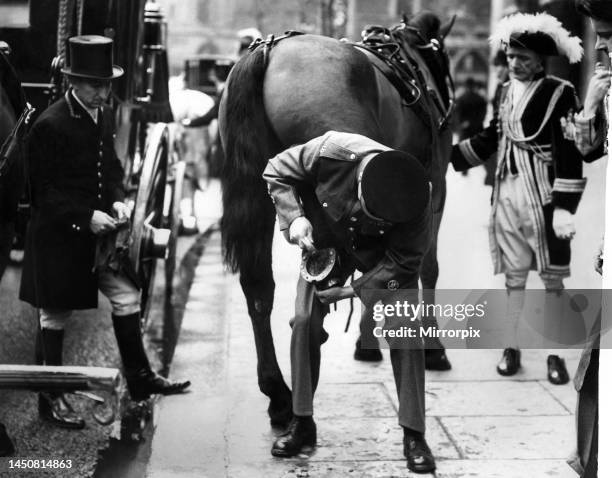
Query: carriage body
[{"x": 144, "y": 139}]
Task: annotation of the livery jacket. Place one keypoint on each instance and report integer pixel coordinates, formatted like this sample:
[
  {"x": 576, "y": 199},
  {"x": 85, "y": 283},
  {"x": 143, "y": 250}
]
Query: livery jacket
[
  {"x": 319, "y": 180},
  {"x": 74, "y": 170},
  {"x": 529, "y": 141}
]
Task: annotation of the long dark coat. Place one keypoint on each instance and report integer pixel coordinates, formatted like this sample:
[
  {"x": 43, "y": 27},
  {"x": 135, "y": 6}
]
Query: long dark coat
[{"x": 74, "y": 170}]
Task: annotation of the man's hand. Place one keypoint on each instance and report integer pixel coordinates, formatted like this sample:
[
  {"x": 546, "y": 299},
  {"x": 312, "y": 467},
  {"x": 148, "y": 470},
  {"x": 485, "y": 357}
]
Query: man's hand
[
  {"x": 599, "y": 259},
  {"x": 101, "y": 223},
  {"x": 596, "y": 92},
  {"x": 122, "y": 211},
  {"x": 334, "y": 294},
  {"x": 563, "y": 224},
  {"x": 300, "y": 233}
]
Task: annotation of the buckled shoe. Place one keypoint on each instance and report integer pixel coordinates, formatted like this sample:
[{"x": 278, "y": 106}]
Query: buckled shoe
[
  {"x": 510, "y": 362},
  {"x": 557, "y": 372}
]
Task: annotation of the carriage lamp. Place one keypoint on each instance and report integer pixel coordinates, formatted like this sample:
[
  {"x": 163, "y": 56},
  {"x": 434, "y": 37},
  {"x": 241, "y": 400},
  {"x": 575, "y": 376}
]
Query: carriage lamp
[{"x": 155, "y": 27}]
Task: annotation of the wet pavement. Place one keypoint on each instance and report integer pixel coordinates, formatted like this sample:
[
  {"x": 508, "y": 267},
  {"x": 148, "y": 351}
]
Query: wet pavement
[
  {"x": 478, "y": 423},
  {"x": 89, "y": 341}
]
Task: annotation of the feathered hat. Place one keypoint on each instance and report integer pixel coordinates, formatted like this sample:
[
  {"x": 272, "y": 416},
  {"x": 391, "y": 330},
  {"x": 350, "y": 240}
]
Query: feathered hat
[{"x": 540, "y": 32}]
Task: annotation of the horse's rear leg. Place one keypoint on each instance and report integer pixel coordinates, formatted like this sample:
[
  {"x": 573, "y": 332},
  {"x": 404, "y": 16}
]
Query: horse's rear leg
[{"x": 258, "y": 288}]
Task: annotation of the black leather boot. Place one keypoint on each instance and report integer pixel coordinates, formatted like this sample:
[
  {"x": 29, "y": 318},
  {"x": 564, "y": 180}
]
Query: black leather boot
[
  {"x": 142, "y": 381},
  {"x": 302, "y": 432},
  {"x": 6, "y": 445},
  {"x": 510, "y": 362},
  {"x": 557, "y": 372},
  {"x": 53, "y": 406},
  {"x": 417, "y": 452}
]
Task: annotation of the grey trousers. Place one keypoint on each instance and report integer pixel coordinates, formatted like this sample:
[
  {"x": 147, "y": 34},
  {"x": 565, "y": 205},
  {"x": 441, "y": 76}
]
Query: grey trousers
[{"x": 306, "y": 338}]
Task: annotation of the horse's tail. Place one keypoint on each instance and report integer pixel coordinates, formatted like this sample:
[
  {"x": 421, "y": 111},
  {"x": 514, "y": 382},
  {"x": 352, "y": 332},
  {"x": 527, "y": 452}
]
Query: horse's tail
[{"x": 247, "y": 225}]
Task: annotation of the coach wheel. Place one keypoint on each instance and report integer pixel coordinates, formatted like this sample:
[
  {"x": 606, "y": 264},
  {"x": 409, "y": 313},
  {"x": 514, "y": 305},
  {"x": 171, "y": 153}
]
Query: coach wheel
[{"x": 150, "y": 238}]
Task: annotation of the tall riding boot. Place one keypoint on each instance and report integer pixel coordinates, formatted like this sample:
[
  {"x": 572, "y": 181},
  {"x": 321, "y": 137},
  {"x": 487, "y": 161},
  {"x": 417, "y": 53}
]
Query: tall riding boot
[
  {"x": 53, "y": 406},
  {"x": 142, "y": 381}
]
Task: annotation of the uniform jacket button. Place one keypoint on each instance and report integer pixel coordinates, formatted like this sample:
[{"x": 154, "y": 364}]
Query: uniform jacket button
[
  {"x": 353, "y": 156},
  {"x": 393, "y": 285},
  {"x": 353, "y": 219},
  {"x": 324, "y": 204},
  {"x": 351, "y": 229}
]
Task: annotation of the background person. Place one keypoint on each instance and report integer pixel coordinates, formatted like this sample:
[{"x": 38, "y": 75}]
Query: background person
[
  {"x": 538, "y": 180},
  {"x": 77, "y": 199}
]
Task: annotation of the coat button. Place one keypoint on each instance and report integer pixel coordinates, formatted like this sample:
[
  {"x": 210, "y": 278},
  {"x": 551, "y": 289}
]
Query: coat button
[
  {"x": 381, "y": 231},
  {"x": 324, "y": 204},
  {"x": 393, "y": 285},
  {"x": 78, "y": 228},
  {"x": 353, "y": 156},
  {"x": 99, "y": 174},
  {"x": 353, "y": 219},
  {"x": 99, "y": 196},
  {"x": 100, "y": 185},
  {"x": 74, "y": 226},
  {"x": 351, "y": 229}
]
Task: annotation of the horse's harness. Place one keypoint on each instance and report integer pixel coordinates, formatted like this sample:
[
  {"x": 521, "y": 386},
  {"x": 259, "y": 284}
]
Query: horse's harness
[{"x": 401, "y": 69}]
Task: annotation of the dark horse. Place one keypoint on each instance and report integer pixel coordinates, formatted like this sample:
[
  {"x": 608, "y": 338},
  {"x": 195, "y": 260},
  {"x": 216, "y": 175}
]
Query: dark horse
[
  {"x": 12, "y": 167},
  {"x": 294, "y": 91}
]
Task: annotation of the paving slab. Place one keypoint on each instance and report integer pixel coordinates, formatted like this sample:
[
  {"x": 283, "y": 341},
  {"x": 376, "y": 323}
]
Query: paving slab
[
  {"x": 495, "y": 398},
  {"x": 479, "y": 424},
  {"x": 306, "y": 469},
  {"x": 518, "y": 438}
]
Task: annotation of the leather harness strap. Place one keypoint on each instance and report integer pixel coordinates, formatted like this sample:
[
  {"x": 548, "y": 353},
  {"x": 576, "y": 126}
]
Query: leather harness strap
[{"x": 271, "y": 41}]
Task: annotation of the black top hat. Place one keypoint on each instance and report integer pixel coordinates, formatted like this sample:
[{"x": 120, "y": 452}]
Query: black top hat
[
  {"x": 395, "y": 187},
  {"x": 91, "y": 56}
]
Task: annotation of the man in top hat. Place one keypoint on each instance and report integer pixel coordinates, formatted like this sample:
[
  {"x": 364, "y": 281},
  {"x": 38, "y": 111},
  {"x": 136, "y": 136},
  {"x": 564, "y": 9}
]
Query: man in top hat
[
  {"x": 77, "y": 199},
  {"x": 538, "y": 180},
  {"x": 372, "y": 204}
]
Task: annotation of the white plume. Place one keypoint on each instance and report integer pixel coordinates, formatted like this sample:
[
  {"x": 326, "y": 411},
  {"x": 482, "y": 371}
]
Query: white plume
[{"x": 518, "y": 23}]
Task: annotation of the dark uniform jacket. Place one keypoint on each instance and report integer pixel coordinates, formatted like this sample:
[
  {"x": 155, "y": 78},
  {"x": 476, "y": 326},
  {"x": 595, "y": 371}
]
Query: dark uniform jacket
[
  {"x": 74, "y": 170},
  {"x": 319, "y": 180},
  {"x": 529, "y": 141}
]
